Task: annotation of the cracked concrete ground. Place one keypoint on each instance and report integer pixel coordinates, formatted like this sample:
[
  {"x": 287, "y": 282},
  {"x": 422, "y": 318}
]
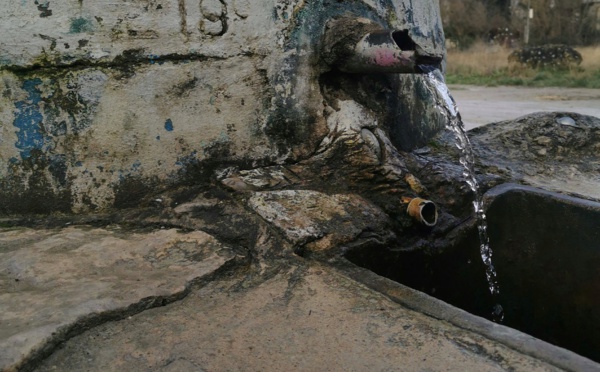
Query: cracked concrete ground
[
  {"x": 305, "y": 317},
  {"x": 91, "y": 299}
]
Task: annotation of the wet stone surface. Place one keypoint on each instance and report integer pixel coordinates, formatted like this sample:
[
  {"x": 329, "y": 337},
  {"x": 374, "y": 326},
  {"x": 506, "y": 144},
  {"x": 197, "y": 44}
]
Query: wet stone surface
[
  {"x": 555, "y": 151},
  {"x": 317, "y": 220},
  {"x": 543, "y": 150}
]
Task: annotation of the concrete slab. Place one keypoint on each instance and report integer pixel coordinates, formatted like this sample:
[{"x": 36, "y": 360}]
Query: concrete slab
[
  {"x": 109, "y": 299},
  {"x": 298, "y": 316},
  {"x": 55, "y": 283}
]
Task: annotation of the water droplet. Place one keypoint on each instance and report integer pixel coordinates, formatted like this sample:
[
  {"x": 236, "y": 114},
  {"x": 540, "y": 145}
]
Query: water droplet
[
  {"x": 566, "y": 120},
  {"x": 498, "y": 313}
]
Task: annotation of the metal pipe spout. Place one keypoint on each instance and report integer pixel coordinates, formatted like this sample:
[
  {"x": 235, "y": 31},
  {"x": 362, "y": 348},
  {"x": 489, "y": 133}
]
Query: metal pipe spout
[
  {"x": 423, "y": 211},
  {"x": 359, "y": 45}
]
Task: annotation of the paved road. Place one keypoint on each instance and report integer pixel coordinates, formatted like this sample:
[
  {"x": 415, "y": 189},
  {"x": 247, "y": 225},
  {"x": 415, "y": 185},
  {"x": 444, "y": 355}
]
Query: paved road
[{"x": 482, "y": 105}]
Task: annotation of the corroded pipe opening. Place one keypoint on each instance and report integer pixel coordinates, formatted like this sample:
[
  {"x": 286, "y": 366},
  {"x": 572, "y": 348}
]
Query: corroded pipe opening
[
  {"x": 403, "y": 40},
  {"x": 423, "y": 211},
  {"x": 358, "y": 45}
]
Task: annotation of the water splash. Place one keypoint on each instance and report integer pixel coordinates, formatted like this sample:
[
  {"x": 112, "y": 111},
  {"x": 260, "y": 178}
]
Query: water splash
[{"x": 448, "y": 108}]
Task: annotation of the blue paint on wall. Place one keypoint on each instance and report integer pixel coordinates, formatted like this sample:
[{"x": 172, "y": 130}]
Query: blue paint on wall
[
  {"x": 169, "y": 125},
  {"x": 28, "y": 118}
]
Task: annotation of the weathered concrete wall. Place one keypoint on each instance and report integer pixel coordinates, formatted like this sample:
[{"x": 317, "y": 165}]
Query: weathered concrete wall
[{"x": 105, "y": 102}]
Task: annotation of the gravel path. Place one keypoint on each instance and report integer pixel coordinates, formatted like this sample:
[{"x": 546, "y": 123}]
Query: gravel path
[{"x": 482, "y": 105}]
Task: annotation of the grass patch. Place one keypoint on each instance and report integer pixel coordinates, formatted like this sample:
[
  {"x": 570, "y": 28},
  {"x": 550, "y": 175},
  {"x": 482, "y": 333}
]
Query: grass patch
[{"x": 488, "y": 65}]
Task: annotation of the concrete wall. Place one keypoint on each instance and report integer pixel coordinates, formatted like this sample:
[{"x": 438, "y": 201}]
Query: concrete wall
[{"x": 104, "y": 102}]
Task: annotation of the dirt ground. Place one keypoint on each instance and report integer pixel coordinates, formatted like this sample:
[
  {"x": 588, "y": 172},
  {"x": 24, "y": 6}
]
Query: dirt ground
[{"x": 483, "y": 105}]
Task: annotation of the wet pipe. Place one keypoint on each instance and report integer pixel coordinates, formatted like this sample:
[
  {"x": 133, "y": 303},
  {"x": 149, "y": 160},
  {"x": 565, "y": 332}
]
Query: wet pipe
[{"x": 359, "y": 45}]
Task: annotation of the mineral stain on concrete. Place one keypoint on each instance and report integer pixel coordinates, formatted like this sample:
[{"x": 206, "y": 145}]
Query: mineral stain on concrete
[
  {"x": 79, "y": 25},
  {"x": 58, "y": 168},
  {"x": 44, "y": 8}
]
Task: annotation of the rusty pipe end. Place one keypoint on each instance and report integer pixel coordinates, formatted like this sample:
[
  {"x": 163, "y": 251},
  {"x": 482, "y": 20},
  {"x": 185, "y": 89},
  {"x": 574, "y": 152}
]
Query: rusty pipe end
[{"x": 423, "y": 211}]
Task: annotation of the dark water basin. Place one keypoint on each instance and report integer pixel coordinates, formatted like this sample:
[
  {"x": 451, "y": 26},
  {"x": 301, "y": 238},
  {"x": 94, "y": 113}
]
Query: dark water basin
[{"x": 546, "y": 253}]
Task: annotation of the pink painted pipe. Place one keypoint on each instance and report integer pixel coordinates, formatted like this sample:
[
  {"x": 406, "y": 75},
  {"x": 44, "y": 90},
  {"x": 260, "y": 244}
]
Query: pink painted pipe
[{"x": 383, "y": 51}]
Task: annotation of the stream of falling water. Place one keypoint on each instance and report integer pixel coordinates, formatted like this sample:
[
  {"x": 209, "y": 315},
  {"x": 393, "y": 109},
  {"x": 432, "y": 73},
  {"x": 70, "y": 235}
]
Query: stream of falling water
[{"x": 447, "y": 106}]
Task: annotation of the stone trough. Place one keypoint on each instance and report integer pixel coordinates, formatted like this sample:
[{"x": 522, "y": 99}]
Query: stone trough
[{"x": 546, "y": 253}]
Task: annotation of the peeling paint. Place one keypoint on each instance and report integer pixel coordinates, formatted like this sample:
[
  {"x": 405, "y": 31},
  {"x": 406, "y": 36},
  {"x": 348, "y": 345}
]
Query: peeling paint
[{"x": 29, "y": 120}]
